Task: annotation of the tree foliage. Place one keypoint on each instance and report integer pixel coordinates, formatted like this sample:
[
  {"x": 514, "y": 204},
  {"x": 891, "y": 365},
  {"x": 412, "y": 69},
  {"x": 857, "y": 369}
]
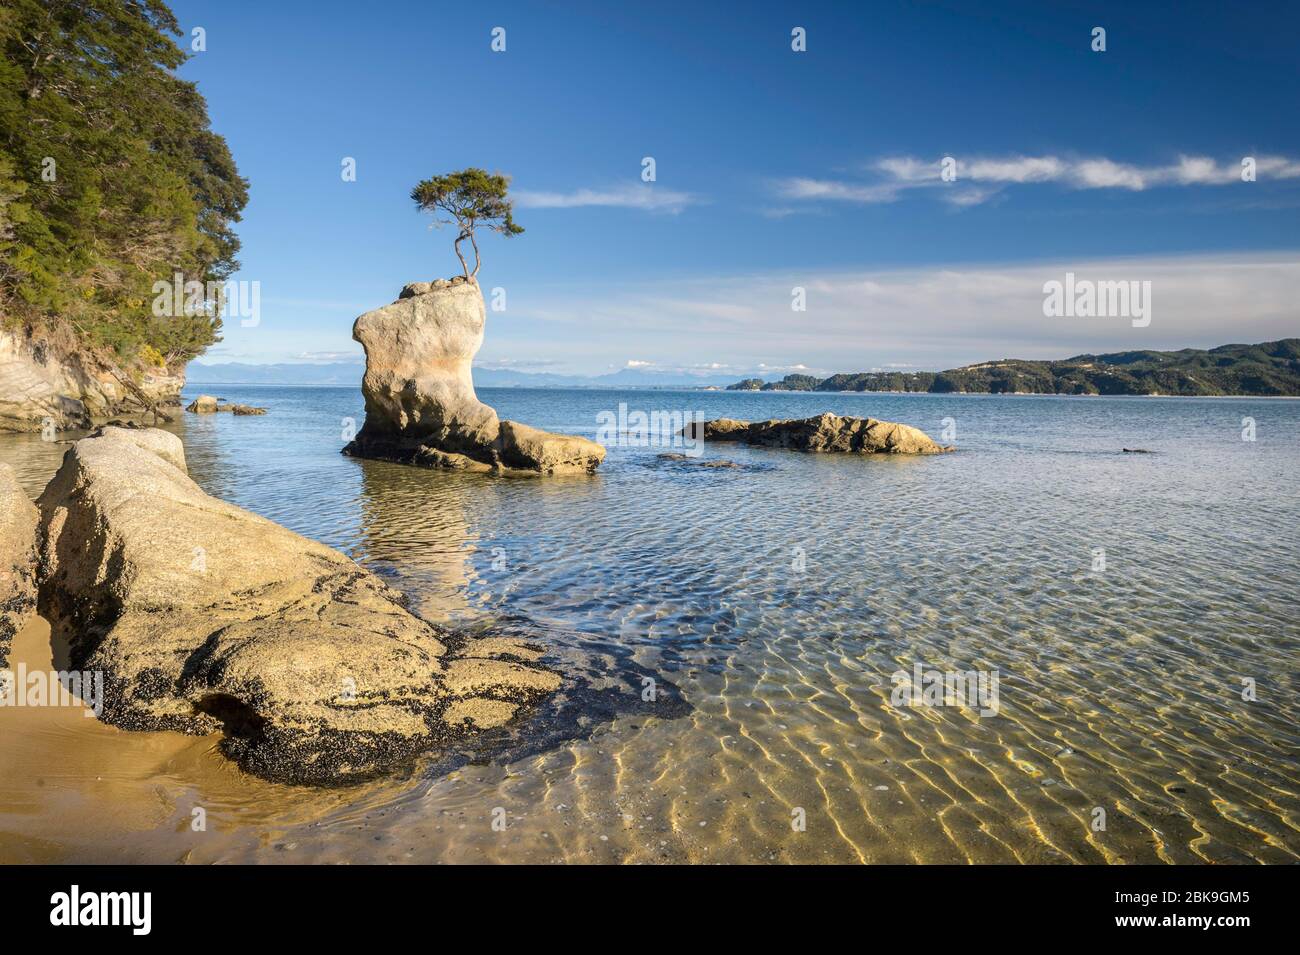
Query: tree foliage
[
  {"x": 472, "y": 198},
  {"x": 110, "y": 177}
]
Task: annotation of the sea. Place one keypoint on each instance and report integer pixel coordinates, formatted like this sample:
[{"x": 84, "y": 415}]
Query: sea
[{"x": 1040, "y": 648}]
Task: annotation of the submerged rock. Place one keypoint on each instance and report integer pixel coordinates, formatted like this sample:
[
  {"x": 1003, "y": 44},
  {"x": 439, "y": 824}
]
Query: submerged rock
[
  {"x": 17, "y": 559},
  {"x": 825, "y": 432},
  {"x": 697, "y": 462},
  {"x": 203, "y": 617},
  {"x": 420, "y": 402},
  {"x": 240, "y": 410}
]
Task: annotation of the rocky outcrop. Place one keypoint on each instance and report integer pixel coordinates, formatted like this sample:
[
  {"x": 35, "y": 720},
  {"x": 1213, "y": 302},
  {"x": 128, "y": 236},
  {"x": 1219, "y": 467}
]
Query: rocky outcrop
[
  {"x": 530, "y": 449},
  {"x": 420, "y": 402},
  {"x": 40, "y": 383},
  {"x": 17, "y": 559},
  {"x": 206, "y": 404},
  {"x": 203, "y": 616},
  {"x": 825, "y": 432}
]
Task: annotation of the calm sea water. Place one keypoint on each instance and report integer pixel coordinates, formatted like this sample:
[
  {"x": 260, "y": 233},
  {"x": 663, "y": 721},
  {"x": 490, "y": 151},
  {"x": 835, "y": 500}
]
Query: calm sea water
[{"x": 774, "y": 600}]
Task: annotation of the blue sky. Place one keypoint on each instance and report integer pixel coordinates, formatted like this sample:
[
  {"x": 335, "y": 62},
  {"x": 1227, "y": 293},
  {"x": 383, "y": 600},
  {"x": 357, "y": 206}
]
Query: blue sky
[{"x": 774, "y": 169}]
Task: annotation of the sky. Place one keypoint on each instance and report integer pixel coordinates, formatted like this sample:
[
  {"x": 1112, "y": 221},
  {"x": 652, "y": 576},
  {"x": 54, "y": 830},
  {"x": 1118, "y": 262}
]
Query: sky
[{"x": 774, "y": 170}]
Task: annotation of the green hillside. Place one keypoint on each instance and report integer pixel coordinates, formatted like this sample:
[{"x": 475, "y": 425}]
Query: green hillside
[{"x": 1266, "y": 369}]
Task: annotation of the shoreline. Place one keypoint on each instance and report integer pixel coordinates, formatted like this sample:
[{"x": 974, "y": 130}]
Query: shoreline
[
  {"x": 773, "y": 391},
  {"x": 1015, "y": 394}
]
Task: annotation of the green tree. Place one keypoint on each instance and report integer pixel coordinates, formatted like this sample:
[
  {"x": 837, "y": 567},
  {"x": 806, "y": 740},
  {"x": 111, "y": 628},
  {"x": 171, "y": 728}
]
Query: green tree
[
  {"x": 110, "y": 178},
  {"x": 472, "y": 198}
]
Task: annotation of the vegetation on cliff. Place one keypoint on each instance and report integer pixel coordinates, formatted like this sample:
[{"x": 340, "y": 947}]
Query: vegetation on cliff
[
  {"x": 1268, "y": 369},
  {"x": 110, "y": 180}
]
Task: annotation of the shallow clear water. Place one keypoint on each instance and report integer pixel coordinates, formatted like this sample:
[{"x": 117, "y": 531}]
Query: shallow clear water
[{"x": 773, "y": 601}]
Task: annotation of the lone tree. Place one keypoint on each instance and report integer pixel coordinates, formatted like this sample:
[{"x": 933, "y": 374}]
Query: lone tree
[{"x": 472, "y": 198}]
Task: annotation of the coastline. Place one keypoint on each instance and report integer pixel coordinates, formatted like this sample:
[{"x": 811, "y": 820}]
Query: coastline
[{"x": 598, "y": 389}]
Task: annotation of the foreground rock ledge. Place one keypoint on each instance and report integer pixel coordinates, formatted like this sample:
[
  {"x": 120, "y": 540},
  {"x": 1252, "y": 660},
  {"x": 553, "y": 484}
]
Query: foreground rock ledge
[
  {"x": 825, "y": 432},
  {"x": 17, "y": 559},
  {"x": 206, "y": 617},
  {"x": 420, "y": 403}
]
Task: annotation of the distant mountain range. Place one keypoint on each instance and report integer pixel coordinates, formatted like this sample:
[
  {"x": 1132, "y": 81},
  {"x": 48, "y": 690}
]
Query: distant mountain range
[
  {"x": 348, "y": 373},
  {"x": 1269, "y": 369}
]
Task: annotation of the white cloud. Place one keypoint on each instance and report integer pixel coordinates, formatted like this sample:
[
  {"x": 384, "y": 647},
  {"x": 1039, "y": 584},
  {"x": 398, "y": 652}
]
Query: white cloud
[
  {"x": 1198, "y": 169},
  {"x": 982, "y": 178},
  {"x": 1278, "y": 167},
  {"x": 802, "y": 188},
  {"x": 922, "y": 318},
  {"x": 968, "y": 196},
  {"x": 330, "y": 356},
  {"x": 510, "y": 364},
  {"x": 1104, "y": 174},
  {"x": 644, "y": 196},
  {"x": 909, "y": 170},
  {"x": 1016, "y": 169}
]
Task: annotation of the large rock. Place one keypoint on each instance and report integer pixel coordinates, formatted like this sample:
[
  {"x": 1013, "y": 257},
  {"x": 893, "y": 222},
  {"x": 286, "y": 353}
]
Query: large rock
[
  {"x": 418, "y": 385},
  {"x": 204, "y": 616},
  {"x": 825, "y": 432},
  {"x": 420, "y": 402},
  {"x": 524, "y": 448},
  {"x": 17, "y": 559},
  {"x": 45, "y": 381}
]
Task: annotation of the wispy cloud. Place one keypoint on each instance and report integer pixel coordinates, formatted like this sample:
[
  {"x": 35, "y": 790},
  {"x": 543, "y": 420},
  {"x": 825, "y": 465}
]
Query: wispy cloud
[
  {"x": 645, "y": 196},
  {"x": 330, "y": 356},
  {"x": 716, "y": 369},
  {"x": 935, "y": 317},
  {"x": 981, "y": 178},
  {"x": 514, "y": 364},
  {"x": 803, "y": 188}
]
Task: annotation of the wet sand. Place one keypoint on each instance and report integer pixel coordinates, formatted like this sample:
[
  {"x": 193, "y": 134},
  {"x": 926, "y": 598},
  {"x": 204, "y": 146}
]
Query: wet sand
[{"x": 73, "y": 789}]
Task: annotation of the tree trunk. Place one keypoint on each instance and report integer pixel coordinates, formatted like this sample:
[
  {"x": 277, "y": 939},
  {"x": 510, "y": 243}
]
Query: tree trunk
[
  {"x": 459, "y": 239},
  {"x": 140, "y": 396},
  {"x": 476, "y": 260}
]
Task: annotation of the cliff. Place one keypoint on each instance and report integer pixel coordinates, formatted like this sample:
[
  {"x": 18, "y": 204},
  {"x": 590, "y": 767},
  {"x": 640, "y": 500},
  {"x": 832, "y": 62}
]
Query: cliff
[{"x": 41, "y": 380}]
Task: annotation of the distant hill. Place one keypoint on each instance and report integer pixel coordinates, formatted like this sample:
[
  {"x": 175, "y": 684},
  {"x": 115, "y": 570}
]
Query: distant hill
[
  {"x": 349, "y": 374},
  {"x": 1268, "y": 369}
]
